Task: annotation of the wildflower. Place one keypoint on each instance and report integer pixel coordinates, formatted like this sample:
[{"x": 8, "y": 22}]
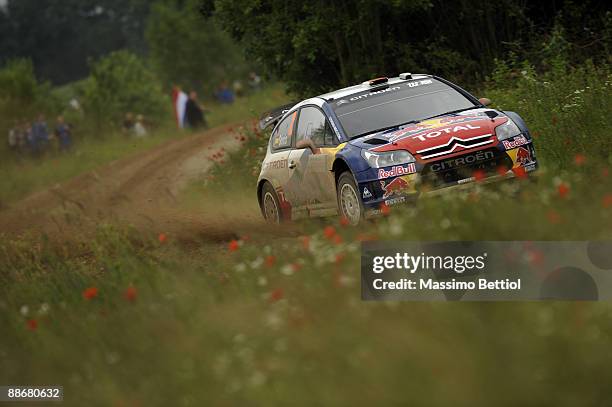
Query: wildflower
[
  {"x": 385, "y": 209},
  {"x": 605, "y": 172},
  {"x": 344, "y": 221},
  {"x": 579, "y": 159},
  {"x": 554, "y": 120},
  {"x": 478, "y": 175},
  {"x": 24, "y": 310},
  {"x": 233, "y": 245},
  {"x": 162, "y": 238},
  {"x": 270, "y": 260},
  {"x": 32, "y": 324},
  {"x": 329, "y": 232},
  {"x": 306, "y": 242},
  {"x": 563, "y": 190},
  {"x": 276, "y": 295},
  {"x": 339, "y": 258},
  {"x": 607, "y": 201},
  {"x": 130, "y": 294},
  {"x": 520, "y": 172},
  {"x": 553, "y": 217},
  {"x": 337, "y": 239},
  {"x": 90, "y": 293}
]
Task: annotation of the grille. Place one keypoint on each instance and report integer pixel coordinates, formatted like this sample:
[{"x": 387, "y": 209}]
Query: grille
[{"x": 444, "y": 172}]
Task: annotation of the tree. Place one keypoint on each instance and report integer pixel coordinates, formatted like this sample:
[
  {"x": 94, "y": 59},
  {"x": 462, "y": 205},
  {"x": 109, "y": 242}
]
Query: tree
[
  {"x": 189, "y": 50},
  {"x": 120, "y": 82},
  {"x": 60, "y": 36},
  {"x": 315, "y": 46}
]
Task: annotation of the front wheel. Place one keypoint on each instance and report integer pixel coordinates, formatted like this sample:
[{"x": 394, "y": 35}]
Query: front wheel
[
  {"x": 349, "y": 204},
  {"x": 270, "y": 206}
]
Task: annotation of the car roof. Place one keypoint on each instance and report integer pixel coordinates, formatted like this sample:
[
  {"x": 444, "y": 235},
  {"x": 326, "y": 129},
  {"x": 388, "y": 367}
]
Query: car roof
[{"x": 344, "y": 92}]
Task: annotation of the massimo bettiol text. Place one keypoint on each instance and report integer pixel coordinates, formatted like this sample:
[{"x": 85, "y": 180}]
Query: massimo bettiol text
[{"x": 485, "y": 271}]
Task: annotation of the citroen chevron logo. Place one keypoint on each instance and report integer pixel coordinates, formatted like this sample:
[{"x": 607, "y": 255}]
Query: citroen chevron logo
[{"x": 453, "y": 143}]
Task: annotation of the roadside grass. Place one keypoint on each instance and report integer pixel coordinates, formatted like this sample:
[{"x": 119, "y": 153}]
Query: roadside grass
[
  {"x": 23, "y": 175},
  {"x": 124, "y": 319}
]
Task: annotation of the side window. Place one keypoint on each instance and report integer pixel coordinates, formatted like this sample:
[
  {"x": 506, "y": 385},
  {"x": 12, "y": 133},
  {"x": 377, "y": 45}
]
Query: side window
[
  {"x": 281, "y": 138},
  {"x": 313, "y": 125}
]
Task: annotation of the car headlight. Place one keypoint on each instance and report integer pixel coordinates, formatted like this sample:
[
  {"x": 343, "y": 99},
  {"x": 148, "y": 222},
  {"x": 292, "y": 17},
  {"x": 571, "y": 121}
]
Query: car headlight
[
  {"x": 387, "y": 159},
  {"x": 507, "y": 130}
]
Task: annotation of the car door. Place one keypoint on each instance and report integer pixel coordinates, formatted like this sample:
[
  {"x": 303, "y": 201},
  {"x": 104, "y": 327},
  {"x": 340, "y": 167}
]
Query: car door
[
  {"x": 311, "y": 185},
  {"x": 275, "y": 165}
]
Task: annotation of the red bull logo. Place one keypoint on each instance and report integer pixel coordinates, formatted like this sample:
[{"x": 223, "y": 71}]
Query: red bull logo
[
  {"x": 397, "y": 171},
  {"x": 523, "y": 156},
  {"x": 393, "y": 187}
]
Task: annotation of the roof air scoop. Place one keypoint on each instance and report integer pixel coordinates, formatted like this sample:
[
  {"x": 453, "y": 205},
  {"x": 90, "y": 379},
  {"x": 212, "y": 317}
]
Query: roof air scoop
[{"x": 405, "y": 75}]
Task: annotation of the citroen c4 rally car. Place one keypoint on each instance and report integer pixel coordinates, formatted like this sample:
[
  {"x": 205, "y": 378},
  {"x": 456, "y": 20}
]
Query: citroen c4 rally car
[{"x": 385, "y": 142}]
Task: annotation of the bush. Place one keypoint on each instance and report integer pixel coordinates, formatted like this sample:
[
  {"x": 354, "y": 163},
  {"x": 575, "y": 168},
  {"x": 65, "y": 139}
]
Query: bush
[{"x": 120, "y": 83}]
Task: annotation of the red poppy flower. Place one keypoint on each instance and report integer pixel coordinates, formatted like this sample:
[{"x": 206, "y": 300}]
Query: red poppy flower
[
  {"x": 579, "y": 159},
  {"x": 563, "y": 190},
  {"x": 478, "y": 175},
  {"x": 501, "y": 170},
  {"x": 233, "y": 245},
  {"x": 130, "y": 294},
  {"x": 519, "y": 172},
  {"x": 385, "y": 209},
  {"x": 276, "y": 295},
  {"x": 337, "y": 239},
  {"x": 306, "y": 242},
  {"x": 329, "y": 232},
  {"x": 605, "y": 172},
  {"x": 90, "y": 293},
  {"x": 296, "y": 266},
  {"x": 162, "y": 238},
  {"x": 344, "y": 221},
  {"x": 553, "y": 217},
  {"x": 339, "y": 258},
  {"x": 32, "y": 324},
  {"x": 270, "y": 260},
  {"x": 607, "y": 201}
]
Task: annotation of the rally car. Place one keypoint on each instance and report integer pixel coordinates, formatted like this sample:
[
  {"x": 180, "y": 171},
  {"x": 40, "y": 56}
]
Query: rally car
[{"x": 385, "y": 142}]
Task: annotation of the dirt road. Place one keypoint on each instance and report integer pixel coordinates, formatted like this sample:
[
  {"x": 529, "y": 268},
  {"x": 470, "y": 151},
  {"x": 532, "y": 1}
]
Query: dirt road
[{"x": 139, "y": 190}]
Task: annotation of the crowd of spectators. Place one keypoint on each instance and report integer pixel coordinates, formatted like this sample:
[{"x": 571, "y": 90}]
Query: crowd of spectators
[{"x": 36, "y": 138}]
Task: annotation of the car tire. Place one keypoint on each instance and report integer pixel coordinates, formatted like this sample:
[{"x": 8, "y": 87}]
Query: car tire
[
  {"x": 350, "y": 205},
  {"x": 270, "y": 205}
]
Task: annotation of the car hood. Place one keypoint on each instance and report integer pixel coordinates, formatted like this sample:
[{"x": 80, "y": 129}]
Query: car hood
[{"x": 440, "y": 136}]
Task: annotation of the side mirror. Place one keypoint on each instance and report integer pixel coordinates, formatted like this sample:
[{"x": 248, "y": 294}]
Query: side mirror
[
  {"x": 485, "y": 101},
  {"x": 307, "y": 143}
]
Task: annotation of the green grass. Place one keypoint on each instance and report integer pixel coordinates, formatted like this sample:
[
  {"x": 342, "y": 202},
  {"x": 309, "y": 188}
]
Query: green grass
[
  {"x": 278, "y": 320},
  {"x": 26, "y": 175}
]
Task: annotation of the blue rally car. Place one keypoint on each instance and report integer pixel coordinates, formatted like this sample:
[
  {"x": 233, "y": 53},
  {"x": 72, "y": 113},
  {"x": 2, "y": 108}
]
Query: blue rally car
[{"x": 385, "y": 142}]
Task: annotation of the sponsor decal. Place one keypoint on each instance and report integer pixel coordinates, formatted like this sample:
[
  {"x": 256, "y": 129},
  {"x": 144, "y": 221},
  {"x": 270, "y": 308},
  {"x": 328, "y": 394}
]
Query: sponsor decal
[
  {"x": 518, "y": 141},
  {"x": 446, "y": 130},
  {"x": 395, "y": 201},
  {"x": 366, "y": 95},
  {"x": 461, "y": 161},
  {"x": 278, "y": 164},
  {"x": 466, "y": 180},
  {"x": 523, "y": 156},
  {"x": 396, "y": 171},
  {"x": 366, "y": 193},
  {"x": 393, "y": 187}
]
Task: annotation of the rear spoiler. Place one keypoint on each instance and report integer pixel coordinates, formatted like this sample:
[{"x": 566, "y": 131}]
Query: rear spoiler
[{"x": 272, "y": 117}]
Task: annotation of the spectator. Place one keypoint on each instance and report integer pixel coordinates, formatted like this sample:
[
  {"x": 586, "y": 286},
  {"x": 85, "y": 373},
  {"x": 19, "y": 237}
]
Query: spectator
[
  {"x": 128, "y": 123},
  {"x": 194, "y": 114},
  {"x": 39, "y": 136},
  {"x": 254, "y": 81},
  {"x": 238, "y": 88},
  {"x": 225, "y": 94},
  {"x": 13, "y": 136},
  {"x": 139, "y": 128},
  {"x": 63, "y": 132},
  {"x": 22, "y": 137}
]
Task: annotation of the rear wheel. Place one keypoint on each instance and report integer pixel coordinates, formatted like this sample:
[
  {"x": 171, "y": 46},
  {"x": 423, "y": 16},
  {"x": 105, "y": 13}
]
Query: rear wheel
[
  {"x": 270, "y": 206},
  {"x": 349, "y": 204}
]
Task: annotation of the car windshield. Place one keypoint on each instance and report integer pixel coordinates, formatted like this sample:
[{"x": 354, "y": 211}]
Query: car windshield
[{"x": 397, "y": 104}]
